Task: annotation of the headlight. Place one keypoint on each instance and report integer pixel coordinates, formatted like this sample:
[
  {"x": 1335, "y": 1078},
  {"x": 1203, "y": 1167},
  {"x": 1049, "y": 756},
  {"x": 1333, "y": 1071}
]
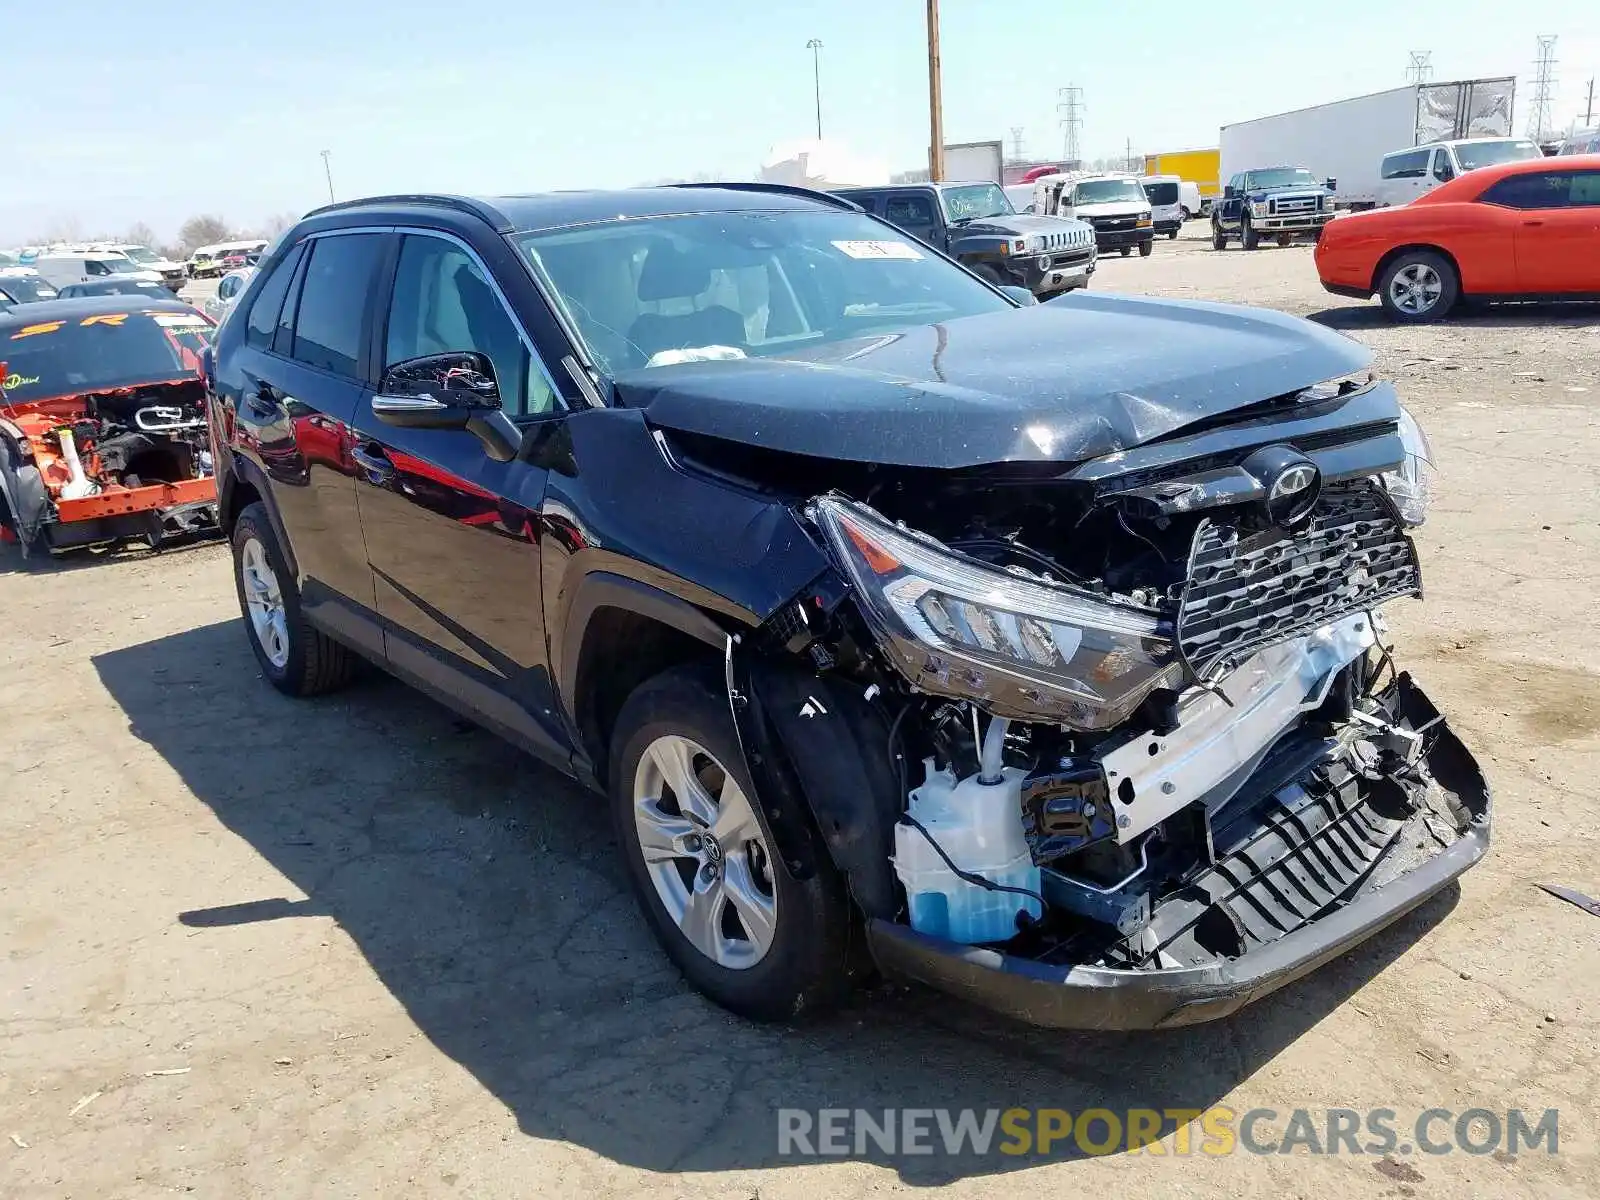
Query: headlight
[
  {"x": 1023, "y": 648},
  {"x": 1410, "y": 484},
  {"x": 1031, "y": 244},
  {"x": 1144, "y": 220},
  {"x": 1258, "y": 208}
]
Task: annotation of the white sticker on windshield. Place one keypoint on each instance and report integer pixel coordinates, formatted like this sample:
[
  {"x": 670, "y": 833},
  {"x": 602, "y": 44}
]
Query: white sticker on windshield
[
  {"x": 884, "y": 249},
  {"x": 179, "y": 320}
]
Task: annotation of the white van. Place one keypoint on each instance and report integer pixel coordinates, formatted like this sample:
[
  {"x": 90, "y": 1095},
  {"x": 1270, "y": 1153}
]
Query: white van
[
  {"x": 1114, "y": 204},
  {"x": 1170, "y": 207},
  {"x": 61, "y": 269},
  {"x": 1406, "y": 174}
]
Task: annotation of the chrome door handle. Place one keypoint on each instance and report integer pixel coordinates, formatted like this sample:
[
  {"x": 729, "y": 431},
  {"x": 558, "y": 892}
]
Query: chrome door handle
[{"x": 372, "y": 459}]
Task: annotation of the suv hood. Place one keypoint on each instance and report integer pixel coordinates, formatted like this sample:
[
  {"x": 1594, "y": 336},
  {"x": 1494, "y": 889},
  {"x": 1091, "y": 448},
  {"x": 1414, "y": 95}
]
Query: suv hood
[
  {"x": 1018, "y": 224},
  {"x": 1060, "y": 382}
]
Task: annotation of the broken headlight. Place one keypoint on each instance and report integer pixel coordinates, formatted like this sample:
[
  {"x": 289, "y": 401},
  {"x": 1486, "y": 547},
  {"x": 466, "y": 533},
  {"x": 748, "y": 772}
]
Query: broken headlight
[
  {"x": 1410, "y": 484},
  {"x": 1020, "y": 647}
]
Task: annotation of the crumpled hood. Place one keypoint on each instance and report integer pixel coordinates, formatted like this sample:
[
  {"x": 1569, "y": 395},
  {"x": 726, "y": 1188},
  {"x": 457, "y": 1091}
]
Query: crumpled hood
[{"x": 1073, "y": 379}]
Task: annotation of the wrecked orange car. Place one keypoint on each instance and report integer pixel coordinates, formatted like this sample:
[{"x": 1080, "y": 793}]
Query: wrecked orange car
[{"x": 103, "y": 436}]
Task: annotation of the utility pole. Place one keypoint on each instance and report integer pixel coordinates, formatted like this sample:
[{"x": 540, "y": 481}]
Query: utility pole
[
  {"x": 1421, "y": 68},
  {"x": 1128, "y": 158},
  {"x": 328, "y": 171},
  {"x": 815, "y": 46},
  {"x": 1588, "y": 109},
  {"x": 935, "y": 100},
  {"x": 1069, "y": 108}
]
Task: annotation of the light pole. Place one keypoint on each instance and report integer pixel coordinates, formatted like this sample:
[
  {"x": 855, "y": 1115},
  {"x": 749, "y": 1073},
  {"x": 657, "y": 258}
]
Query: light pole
[
  {"x": 935, "y": 103},
  {"x": 815, "y": 45},
  {"x": 327, "y": 170}
]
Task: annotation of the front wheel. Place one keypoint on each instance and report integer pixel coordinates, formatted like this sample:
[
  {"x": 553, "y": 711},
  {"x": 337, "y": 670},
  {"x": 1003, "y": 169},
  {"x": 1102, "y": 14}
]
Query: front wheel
[
  {"x": 1419, "y": 285},
  {"x": 1248, "y": 238},
  {"x": 1145, "y": 248},
  {"x": 703, "y": 863}
]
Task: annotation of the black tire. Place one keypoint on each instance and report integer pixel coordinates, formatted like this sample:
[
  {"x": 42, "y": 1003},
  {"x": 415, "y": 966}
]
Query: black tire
[
  {"x": 1172, "y": 235},
  {"x": 807, "y": 966},
  {"x": 1449, "y": 293},
  {"x": 1219, "y": 236},
  {"x": 315, "y": 662},
  {"x": 1148, "y": 248},
  {"x": 1248, "y": 238},
  {"x": 1125, "y": 250},
  {"x": 987, "y": 272}
]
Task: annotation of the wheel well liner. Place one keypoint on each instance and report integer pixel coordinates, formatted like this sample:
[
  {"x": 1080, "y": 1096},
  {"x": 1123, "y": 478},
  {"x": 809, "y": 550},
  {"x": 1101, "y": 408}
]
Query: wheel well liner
[
  {"x": 1396, "y": 251},
  {"x": 246, "y": 484}
]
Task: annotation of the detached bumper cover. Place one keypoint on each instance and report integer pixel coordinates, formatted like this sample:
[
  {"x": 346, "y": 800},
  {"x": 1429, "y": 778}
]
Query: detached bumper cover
[{"x": 1094, "y": 997}]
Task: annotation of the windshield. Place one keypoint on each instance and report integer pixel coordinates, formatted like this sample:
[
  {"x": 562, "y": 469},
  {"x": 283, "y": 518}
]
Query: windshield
[
  {"x": 140, "y": 254},
  {"x": 1107, "y": 191},
  {"x": 1486, "y": 154},
  {"x": 99, "y": 352},
  {"x": 975, "y": 202},
  {"x": 1281, "y": 177},
  {"x": 1161, "y": 193},
  {"x": 7, "y": 259},
  {"x": 119, "y": 266},
  {"x": 656, "y": 291}
]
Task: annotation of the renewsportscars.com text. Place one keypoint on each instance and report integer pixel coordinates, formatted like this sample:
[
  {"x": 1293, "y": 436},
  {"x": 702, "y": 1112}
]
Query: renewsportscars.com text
[{"x": 1216, "y": 1131}]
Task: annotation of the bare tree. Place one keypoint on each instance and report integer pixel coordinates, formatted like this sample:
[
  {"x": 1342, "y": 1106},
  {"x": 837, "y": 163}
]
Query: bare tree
[
  {"x": 140, "y": 234},
  {"x": 277, "y": 223},
  {"x": 202, "y": 231}
]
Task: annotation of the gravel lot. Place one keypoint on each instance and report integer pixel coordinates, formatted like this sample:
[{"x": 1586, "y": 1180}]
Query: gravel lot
[{"x": 357, "y": 946}]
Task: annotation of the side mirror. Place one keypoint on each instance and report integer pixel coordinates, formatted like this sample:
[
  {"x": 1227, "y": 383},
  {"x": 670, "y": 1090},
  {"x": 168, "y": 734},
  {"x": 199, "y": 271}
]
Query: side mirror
[
  {"x": 1229, "y": 192},
  {"x": 1020, "y": 294},
  {"x": 1331, "y": 184},
  {"x": 448, "y": 391}
]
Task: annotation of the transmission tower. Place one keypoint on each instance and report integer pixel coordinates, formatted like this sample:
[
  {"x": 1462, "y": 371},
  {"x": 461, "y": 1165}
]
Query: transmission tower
[
  {"x": 1544, "y": 87},
  {"x": 1069, "y": 108},
  {"x": 1017, "y": 154},
  {"x": 1421, "y": 68}
]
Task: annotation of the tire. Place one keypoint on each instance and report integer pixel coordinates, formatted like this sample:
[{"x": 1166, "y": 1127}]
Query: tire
[
  {"x": 1419, "y": 286},
  {"x": 1125, "y": 250},
  {"x": 986, "y": 272},
  {"x": 1219, "y": 236},
  {"x": 802, "y": 963},
  {"x": 296, "y": 659},
  {"x": 1248, "y": 238},
  {"x": 1148, "y": 248},
  {"x": 1186, "y": 215},
  {"x": 1172, "y": 235}
]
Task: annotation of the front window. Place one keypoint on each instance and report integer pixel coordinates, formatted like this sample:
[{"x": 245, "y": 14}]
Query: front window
[
  {"x": 1107, "y": 191},
  {"x": 117, "y": 266},
  {"x": 1283, "y": 177},
  {"x": 1473, "y": 155},
  {"x": 651, "y": 292},
  {"x": 100, "y": 352},
  {"x": 1161, "y": 193},
  {"x": 974, "y": 202}
]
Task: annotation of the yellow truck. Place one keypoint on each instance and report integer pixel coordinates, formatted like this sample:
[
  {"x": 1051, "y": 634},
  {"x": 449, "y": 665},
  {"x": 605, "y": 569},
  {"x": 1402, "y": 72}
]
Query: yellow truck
[{"x": 1203, "y": 168}]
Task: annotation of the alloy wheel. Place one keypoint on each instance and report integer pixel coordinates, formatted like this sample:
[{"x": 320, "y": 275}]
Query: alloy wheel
[
  {"x": 1415, "y": 288},
  {"x": 263, "y": 600},
  {"x": 705, "y": 851}
]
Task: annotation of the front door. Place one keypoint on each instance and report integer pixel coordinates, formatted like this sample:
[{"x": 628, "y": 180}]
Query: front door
[
  {"x": 1556, "y": 229},
  {"x": 914, "y": 212},
  {"x": 451, "y": 533}
]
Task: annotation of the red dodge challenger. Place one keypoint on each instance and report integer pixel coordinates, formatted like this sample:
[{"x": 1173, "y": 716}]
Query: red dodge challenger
[{"x": 1517, "y": 231}]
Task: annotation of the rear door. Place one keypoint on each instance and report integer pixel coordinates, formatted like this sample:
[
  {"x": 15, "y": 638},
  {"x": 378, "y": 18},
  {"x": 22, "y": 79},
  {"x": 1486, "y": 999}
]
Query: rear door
[
  {"x": 302, "y": 375},
  {"x": 915, "y": 212}
]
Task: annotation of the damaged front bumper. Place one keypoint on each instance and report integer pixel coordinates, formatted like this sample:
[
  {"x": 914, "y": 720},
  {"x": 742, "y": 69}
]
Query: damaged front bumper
[{"x": 1301, "y": 873}]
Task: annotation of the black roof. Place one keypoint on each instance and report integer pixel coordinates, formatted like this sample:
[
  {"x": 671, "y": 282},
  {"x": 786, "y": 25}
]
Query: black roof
[
  {"x": 85, "y": 306},
  {"x": 553, "y": 210}
]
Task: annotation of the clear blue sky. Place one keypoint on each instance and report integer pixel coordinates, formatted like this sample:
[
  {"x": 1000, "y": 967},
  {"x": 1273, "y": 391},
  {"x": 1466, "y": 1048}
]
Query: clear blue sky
[{"x": 120, "y": 112}]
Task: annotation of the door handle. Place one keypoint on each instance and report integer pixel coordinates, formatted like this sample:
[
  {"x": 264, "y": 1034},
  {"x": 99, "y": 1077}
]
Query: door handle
[
  {"x": 1532, "y": 223},
  {"x": 372, "y": 459},
  {"x": 262, "y": 403}
]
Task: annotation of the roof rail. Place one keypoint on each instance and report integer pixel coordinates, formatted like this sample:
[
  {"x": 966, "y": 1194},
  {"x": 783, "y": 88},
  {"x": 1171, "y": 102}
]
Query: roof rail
[
  {"x": 778, "y": 189},
  {"x": 466, "y": 204}
]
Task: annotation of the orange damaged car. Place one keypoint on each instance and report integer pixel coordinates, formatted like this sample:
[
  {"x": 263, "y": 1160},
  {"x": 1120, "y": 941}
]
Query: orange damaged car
[
  {"x": 1525, "y": 230},
  {"x": 103, "y": 435}
]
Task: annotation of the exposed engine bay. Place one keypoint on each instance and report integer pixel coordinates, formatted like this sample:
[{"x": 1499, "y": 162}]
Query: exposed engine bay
[
  {"x": 1135, "y": 725},
  {"x": 103, "y": 466}
]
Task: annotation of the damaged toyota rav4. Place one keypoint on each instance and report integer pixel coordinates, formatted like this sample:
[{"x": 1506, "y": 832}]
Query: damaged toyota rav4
[{"x": 1038, "y": 651}]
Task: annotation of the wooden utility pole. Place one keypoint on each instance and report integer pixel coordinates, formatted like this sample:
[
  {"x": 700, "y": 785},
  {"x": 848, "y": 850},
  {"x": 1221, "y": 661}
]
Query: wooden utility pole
[
  {"x": 935, "y": 103},
  {"x": 1588, "y": 111}
]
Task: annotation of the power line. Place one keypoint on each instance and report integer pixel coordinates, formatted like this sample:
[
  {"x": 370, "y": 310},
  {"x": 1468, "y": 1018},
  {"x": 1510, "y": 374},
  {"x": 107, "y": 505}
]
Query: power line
[
  {"x": 1544, "y": 86},
  {"x": 1069, "y": 110},
  {"x": 1421, "y": 68}
]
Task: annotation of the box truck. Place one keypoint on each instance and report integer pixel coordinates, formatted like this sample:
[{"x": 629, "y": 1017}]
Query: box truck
[
  {"x": 1346, "y": 140},
  {"x": 1199, "y": 167}
]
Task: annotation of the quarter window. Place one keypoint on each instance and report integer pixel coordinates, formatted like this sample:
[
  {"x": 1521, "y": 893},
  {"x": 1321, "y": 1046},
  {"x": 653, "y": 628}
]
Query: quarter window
[
  {"x": 333, "y": 302},
  {"x": 908, "y": 211},
  {"x": 269, "y": 300},
  {"x": 442, "y": 304}
]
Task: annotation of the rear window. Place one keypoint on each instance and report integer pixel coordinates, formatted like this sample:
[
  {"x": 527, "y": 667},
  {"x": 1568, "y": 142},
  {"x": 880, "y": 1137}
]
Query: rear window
[
  {"x": 1161, "y": 193},
  {"x": 99, "y": 352}
]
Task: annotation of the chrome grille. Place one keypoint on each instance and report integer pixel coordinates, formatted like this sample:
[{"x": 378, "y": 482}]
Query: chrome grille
[
  {"x": 1286, "y": 205},
  {"x": 1248, "y": 590}
]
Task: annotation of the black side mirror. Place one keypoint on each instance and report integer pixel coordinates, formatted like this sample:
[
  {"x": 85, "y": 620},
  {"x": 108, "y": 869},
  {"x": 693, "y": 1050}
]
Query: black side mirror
[
  {"x": 1331, "y": 184},
  {"x": 448, "y": 391},
  {"x": 1229, "y": 192}
]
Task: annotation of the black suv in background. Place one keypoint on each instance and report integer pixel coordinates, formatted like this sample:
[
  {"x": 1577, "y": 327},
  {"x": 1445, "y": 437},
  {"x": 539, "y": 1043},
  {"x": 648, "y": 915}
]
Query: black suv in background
[
  {"x": 975, "y": 224},
  {"x": 755, "y": 514}
]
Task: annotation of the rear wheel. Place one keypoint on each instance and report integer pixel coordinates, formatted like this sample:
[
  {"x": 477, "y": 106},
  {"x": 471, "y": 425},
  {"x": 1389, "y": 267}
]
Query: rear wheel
[
  {"x": 1419, "y": 285},
  {"x": 296, "y": 659},
  {"x": 1219, "y": 236},
  {"x": 1125, "y": 250},
  {"x": 1172, "y": 234},
  {"x": 702, "y": 860}
]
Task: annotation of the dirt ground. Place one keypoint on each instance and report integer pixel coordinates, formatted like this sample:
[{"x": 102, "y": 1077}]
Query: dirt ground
[{"x": 358, "y": 947}]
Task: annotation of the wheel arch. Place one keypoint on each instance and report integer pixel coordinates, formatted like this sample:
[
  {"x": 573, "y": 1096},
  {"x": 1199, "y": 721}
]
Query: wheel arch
[
  {"x": 1395, "y": 252},
  {"x": 246, "y": 484}
]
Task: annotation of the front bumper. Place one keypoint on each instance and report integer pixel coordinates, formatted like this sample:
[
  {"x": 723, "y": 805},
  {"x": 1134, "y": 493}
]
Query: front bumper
[
  {"x": 1115, "y": 239},
  {"x": 1067, "y": 271},
  {"x": 1085, "y": 996},
  {"x": 1169, "y": 226},
  {"x": 1297, "y": 223}
]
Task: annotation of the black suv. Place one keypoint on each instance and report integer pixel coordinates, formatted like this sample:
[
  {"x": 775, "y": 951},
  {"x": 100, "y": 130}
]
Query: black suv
[{"x": 1039, "y": 644}]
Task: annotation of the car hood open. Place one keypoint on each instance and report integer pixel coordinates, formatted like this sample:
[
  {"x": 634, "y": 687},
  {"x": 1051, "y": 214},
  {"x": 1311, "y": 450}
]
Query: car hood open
[{"x": 1071, "y": 380}]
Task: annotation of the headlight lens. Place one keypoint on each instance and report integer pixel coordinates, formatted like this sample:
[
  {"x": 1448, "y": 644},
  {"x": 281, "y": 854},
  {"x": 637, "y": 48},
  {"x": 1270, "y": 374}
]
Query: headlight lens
[
  {"x": 1022, "y": 648},
  {"x": 1258, "y": 208},
  {"x": 1410, "y": 485}
]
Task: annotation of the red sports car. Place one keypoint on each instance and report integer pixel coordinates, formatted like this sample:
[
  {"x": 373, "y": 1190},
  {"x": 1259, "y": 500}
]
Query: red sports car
[{"x": 1517, "y": 231}]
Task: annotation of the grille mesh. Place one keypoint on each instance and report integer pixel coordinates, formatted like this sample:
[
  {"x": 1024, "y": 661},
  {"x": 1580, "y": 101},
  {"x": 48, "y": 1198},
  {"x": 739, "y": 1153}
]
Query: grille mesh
[{"x": 1251, "y": 590}]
